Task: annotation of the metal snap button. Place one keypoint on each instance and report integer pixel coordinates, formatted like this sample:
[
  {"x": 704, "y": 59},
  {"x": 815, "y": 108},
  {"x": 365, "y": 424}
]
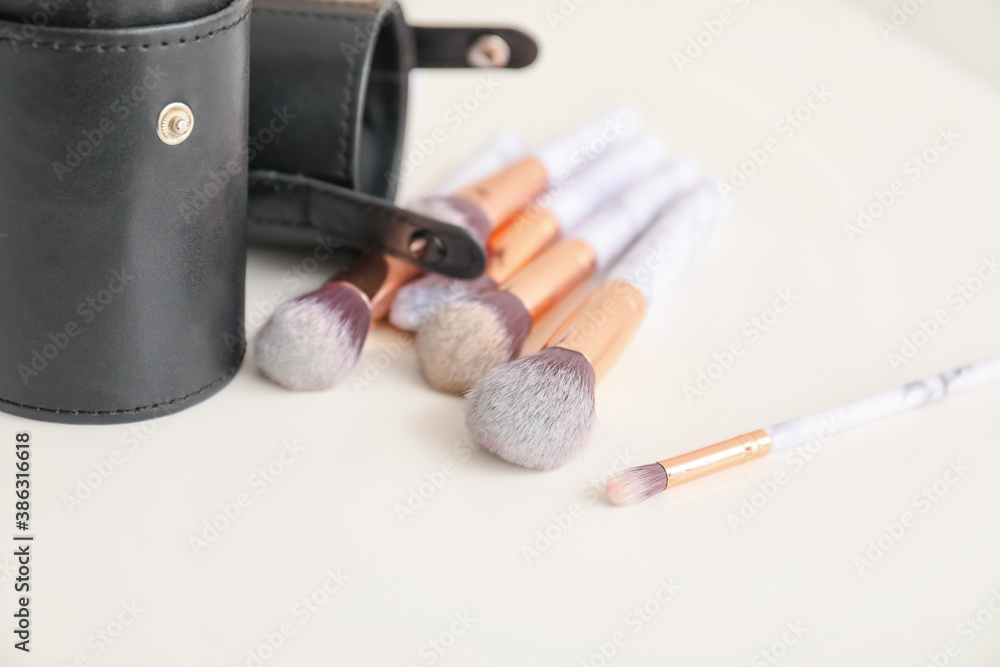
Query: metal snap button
[
  {"x": 488, "y": 51},
  {"x": 175, "y": 123}
]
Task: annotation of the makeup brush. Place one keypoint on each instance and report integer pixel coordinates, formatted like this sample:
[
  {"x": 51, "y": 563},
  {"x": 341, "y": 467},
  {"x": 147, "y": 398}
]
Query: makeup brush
[
  {"x": 558, "y": 161},
  {"x": 314, "y": 341},
  {"x": 464, "y": 339},
  {"x": 637, "y": 484},
  {"x": 538, "y": 412},
  {"x": 526, "y": 234}
]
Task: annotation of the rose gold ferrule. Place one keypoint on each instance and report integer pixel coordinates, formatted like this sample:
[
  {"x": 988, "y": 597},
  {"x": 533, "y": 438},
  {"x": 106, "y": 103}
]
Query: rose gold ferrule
[
  {"x": 552, "y": 275},
  {"x": 377, "y": 278},
  {"x": 604, "y": 325},
  {"x": 518, "y": 240},
  {"x": 721, "y": 455},
  {"x": 502, "y": 194}
]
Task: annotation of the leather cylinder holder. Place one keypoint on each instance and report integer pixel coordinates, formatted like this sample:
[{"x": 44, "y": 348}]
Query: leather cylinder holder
[
  {"x": 328, "y": 98},
  {"x": 123, "y": 144}
]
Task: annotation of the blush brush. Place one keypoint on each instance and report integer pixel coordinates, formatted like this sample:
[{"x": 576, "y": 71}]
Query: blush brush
[
  {"x": 464, "y": 339},
  {"x": 637, "y": 484},
  {"x": 516, "y": 242},
  {"x": 539, "y": 411},
  {"x": 312, "y": 342}
]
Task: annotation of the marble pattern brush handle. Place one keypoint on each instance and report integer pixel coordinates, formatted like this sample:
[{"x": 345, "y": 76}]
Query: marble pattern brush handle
[
  {"x": 659, "y": 257},
  {"x": 599, "y": 240},
  {"x": 527, "y": 234},
  {"x": 487, "y": 203},
  {"x": 795, "y": 432},
  {"x": 612, "y": 229},
  {"x": 574, "y": 201},
  {"x": 570, "y": 152}
]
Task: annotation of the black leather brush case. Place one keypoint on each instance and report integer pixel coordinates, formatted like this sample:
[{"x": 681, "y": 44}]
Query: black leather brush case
[
  {"x": 328, "y": 97},
  {"x": 122, "y": 257}
]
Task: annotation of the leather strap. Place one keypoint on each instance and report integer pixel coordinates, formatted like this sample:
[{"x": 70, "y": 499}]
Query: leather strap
[
  {"x": 449, "y": 47},
  {"x": 328, "y": 90},
  {"x": 297, "y": 209}
]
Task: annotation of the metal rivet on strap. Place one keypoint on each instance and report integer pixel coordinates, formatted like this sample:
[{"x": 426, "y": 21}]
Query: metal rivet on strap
[
  {"x": 488, "y": 51},
  {"x": 175, "y": 123},
  {"x": 426, "y": 246}
]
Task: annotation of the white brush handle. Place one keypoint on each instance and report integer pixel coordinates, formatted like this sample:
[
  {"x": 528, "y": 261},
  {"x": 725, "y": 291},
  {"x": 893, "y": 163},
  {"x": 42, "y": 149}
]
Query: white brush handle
[
  {"x": 493, "y": 156},
  {"x": 575, "y": 200},
  {"x": 666, "y": 248},
  {"x": 822, "y": 425},
  {"x": 569, "y": 153},
  {"x": 612, "y": 228}
]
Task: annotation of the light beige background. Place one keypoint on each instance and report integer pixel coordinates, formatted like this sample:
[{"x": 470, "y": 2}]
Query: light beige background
[{"x": 367, "y": 445}]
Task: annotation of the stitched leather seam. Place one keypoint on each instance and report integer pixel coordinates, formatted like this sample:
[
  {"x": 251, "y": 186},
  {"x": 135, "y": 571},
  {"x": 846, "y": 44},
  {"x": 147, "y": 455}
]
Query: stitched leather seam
[
  {"x": 103, "y": 48},
  {"x": 227, "y": 375},
  {"x": 309, "y": 15},
  {"x": 345, "y": 106},
  {"x": 345, "y": 110}
]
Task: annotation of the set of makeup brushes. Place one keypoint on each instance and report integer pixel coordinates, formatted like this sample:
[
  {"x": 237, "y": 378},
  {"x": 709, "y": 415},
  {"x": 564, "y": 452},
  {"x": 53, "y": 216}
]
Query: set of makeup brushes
[{"x": 604, "y": 200}]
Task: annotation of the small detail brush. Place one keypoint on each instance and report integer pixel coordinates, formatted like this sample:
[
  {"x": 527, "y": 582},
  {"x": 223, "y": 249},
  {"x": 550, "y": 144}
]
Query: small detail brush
[
  {"x": 637, "y": 484},
  {"x": 314, "y": 341},
  {"x": 538, "y": 411},
  {"x": 520, "y": 239},
  {"x": 464, "y": 339}
]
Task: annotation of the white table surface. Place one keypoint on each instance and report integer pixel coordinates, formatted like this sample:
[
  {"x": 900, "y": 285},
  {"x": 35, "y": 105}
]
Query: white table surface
[{"x": 334, "y": 506}]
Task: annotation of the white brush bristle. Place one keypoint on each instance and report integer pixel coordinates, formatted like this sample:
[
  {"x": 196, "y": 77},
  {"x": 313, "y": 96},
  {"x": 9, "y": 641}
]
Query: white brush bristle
[
  {"x": 536, "y": 412},
  {"x": 314, "y": 341},
  {"x": 636, "y": 484},
  {"x": 464, "y": 339},
  {"x": 416, "y": 301}
]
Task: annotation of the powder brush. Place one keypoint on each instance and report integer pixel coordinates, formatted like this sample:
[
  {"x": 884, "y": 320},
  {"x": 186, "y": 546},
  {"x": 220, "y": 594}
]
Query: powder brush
[{"x": 539, "y": 411}]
